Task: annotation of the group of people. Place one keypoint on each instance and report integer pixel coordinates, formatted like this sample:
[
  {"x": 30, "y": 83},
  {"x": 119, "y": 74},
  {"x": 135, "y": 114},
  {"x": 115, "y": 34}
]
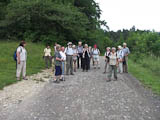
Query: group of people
[
  {"x": 116, "y": 61},
  {"x": 68, "y": 59}
]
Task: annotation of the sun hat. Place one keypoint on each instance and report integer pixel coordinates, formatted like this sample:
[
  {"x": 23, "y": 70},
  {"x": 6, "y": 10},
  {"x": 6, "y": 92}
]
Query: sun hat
[{"x": 69, "y": 43}]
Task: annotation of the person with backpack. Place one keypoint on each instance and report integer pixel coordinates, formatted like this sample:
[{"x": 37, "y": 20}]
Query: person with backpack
[
  {"x": 96, "y": 54},
  {"x": 126, "y": 52},
  {"x": 86, "y": 58},
  {"x": 113, "y": 64},
  {"x": 69, "y": 59},
  {"x": 106, "y": 55},
  {"x": 21, "y": 54},
  {"x": 47, "y": 56},
  {"x": 120, "y": 56}
]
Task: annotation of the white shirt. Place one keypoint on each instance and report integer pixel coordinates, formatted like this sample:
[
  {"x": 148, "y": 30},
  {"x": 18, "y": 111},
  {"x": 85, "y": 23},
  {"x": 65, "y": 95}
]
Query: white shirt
[
  {"x": 47, "y": 52},
  {"x": 23, "y": 53},
  {"x": 69, "y": 51},
  {"x": 107, "y": 53},
  {"x": 120, "y": 54},
  {"x": 96, "y": 52},
  {"x": 63, "y": 55}
]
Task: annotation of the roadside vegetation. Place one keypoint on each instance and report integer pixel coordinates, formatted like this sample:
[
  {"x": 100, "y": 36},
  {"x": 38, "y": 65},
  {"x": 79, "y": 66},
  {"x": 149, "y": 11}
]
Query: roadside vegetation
[{"x": 35, "y": 62}]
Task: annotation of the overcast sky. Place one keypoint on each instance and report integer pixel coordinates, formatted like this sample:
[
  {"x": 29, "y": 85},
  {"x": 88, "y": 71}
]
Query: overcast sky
[{"x": 119, "y": 14}]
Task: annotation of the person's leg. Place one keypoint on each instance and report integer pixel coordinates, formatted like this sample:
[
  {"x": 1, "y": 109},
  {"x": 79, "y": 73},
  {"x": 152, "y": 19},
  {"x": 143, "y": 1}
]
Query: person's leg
[
  {"x": 110, "y": 73},
  {"x": 18, "y": 71},
  {"x": 67, "y": 65},
  {"x": 115, "y": 71},
  {"x": 78, "y": 57},
  {"x": 127, "y": 64},
  {"x": 46, "y": 61},
  {"x": 87, "y": 65},
  {"x": 81, "y": 58},
  {"x": 105, "y": 67},
  {"x": 24, "y": 70},
  {"x": 121, "y": 67},
  {"x": 71, "y": 65},
  {"x": 50, "y": 61},
  {"x": 83, "y": 65}
]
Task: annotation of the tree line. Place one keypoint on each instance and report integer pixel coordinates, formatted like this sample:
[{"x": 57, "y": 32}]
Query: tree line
[{"x": 50, "y": 21}]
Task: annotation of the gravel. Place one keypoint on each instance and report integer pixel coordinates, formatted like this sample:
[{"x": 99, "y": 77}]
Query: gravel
[{"x": 84, "y": 96}]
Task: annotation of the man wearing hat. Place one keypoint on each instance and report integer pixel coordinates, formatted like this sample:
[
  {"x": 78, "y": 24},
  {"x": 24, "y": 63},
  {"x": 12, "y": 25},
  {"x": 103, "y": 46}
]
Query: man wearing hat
[
  {"x": 69, "y": 59},
  {"x": 80, "y": 53},
  {"x": 120, "y": 56},
  {"x": 126, "y": 52},
  {"x": 106, "y": 55}
]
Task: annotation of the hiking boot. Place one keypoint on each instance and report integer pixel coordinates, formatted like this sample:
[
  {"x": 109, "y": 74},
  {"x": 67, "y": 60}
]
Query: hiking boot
[
  {"x": 104, "y": 72},
  {"x": 24, "y": 78},
  {"x": 108, "y": 80},
  {"x": 72, "y": 74},
  {"x": 57, "y": 81},
  {"x": 115, "y": 79}
]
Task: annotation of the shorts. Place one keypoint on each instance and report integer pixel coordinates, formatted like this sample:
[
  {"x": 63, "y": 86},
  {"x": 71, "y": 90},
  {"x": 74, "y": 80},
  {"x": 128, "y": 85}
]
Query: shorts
[
  {"x": 58, "y": 71},
  {"x": 96, "y": 58}
]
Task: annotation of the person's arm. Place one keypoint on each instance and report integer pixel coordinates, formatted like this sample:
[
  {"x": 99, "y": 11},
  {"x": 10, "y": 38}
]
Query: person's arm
[{"x": 18, "y": 55}]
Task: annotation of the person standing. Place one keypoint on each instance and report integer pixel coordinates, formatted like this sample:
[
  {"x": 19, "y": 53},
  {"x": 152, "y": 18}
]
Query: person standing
[
  {"x": 80, "y": 53},
  {"x": 47, "y": 56},
  {"x": 120, "y": 56},
  {"x": 63, "y": 55},
  {"x": 106, "y": 55},
  {"x": 69, "y": 59},
  {"x": 21, "y": 61},
  {"x": 86, "y": 58},
  {"x": 75, "y": 55},
  {"x": 96, "y": 54},
  {"x": 90, "y": 52},
  {"x": 126, "y": 52},
  {"x": 113, "y": 64},
  {"x": 58, "y": 62}
]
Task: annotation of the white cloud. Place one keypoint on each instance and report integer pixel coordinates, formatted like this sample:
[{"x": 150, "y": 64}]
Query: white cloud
[{"x": 119, "y": 14}]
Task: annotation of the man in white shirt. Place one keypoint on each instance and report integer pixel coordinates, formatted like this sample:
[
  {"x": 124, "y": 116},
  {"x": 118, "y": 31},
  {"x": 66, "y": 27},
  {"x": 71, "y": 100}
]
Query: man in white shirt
[
  {"x": 21, "y": 61},
  {"x": 63, "y": 57},
  {"x": 47, "y": 56},
  {"x": 69, "y": 59}
]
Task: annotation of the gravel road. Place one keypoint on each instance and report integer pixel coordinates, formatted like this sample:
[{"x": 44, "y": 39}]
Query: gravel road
[{"x": 87, "y": 96}]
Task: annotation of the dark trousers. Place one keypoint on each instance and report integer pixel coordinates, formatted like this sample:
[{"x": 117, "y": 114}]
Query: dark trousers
[
  {"x": 79, "y": 58},
  {"x": 86, "y": 62},
  {"x": 48, "y": 59}
]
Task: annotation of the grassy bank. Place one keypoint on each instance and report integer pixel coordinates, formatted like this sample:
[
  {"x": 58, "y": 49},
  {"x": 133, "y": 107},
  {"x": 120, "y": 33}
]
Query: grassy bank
[
  {"x": 35, "y": 63},
  {"x": 147, "y": 70}
]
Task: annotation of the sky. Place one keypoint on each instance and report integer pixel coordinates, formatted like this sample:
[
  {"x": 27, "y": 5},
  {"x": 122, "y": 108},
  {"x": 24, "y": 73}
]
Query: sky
[{"x": 123, "y": 14}]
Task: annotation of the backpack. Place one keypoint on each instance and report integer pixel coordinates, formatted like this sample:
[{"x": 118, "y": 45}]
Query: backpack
[{"x": 15, "y": 54}]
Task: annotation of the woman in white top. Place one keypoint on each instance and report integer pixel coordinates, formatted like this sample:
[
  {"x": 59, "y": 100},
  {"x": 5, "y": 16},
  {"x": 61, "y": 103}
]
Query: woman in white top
[
  {"x": 63, "y": 56},
  {"x": 113, "y": 64},
  {"x": 96, "y": 54},
  {"x": 21, "y": 61},
  {"x": 47, "y": 56},
  {"x": 75, "y": 54}
]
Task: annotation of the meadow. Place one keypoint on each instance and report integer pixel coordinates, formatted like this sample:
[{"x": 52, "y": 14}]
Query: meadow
[{"x": 147, "y": 70}]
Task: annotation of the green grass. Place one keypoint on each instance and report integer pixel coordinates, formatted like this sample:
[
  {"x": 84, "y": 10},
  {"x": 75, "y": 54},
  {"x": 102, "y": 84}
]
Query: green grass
[
  {"x": 146, "y": 71},
  {"x": 35, "y": 63}
]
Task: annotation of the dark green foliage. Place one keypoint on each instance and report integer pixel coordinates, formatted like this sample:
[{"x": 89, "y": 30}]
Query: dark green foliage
[{"x": 50, "y": 21}]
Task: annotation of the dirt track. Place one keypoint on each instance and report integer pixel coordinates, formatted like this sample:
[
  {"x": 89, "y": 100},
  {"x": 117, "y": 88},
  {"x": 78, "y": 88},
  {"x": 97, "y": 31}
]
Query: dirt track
[{"x": 87, "y": 96}]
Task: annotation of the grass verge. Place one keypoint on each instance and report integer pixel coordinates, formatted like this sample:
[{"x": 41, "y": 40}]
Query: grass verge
[
  {"x": 146, "y": 75},
  {"x": 35, "y": 63}
]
